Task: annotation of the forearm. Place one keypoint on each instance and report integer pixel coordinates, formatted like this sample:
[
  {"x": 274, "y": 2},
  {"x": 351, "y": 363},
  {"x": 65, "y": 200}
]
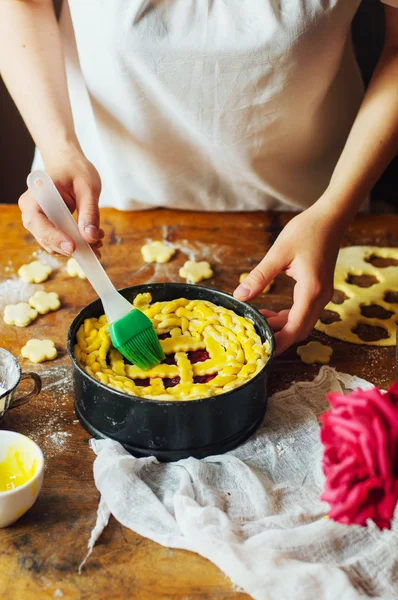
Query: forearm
[
  {"x": 32, "y": 66},
  {"x": 372, "y": 143}
]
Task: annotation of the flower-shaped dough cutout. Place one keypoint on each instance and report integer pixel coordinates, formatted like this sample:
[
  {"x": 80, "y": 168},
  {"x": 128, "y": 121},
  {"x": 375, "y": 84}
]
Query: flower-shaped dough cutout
[
  {"x": 265, "y": 290},
  {"x": 45, "y": 302},
  {"x": 315, "y": 352},
  {"x": 20, "y": 314},
  {"x": 34, "y": 272},
  {"x": 38, "y": 351},
  {"x": 157, "y": 252},
  {"x": 196, "y": 271},
  {"x": 74, "y": 269}
]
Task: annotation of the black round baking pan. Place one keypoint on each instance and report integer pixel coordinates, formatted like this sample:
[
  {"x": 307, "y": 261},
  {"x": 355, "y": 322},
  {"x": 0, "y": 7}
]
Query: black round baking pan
[{"x": 176, "y": 429}]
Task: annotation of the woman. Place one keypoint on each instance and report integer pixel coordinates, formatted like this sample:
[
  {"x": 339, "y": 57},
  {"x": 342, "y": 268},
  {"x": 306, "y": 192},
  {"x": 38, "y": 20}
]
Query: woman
[{"x": 207, "y": 105}]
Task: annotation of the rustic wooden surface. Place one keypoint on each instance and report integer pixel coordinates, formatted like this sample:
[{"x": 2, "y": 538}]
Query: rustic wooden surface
[{"x": 40, "y": 554}]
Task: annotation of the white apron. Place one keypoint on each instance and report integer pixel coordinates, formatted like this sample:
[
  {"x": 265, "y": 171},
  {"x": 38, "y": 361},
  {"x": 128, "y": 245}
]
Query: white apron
[{"x": 211, "y": 104}]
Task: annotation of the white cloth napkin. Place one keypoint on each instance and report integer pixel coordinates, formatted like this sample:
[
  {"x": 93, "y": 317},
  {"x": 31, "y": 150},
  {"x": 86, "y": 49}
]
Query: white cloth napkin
[{"x": 255, "y": 512}]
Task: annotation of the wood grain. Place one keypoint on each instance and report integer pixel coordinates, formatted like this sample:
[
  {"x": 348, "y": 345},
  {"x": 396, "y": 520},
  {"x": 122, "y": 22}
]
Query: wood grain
[{"x": 40, "y": 554}]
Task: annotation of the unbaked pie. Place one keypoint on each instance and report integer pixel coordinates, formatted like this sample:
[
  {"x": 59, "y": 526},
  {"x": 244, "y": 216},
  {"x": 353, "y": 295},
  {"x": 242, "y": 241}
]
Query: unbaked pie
[{"x": 209, "y": 350}]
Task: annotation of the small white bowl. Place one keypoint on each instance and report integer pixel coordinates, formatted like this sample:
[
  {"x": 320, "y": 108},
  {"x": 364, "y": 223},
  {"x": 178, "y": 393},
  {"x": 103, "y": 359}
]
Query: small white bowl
[{"x": 14, "y": 503}]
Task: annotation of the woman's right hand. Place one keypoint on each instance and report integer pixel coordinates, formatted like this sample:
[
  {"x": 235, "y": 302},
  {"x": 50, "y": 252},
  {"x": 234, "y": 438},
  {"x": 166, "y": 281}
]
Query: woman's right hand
[{"x": 79, "y": 184}]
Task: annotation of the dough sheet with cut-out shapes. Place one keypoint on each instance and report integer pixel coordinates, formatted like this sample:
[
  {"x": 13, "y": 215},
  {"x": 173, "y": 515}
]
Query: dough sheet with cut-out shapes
[{"x": 355, "y": 261}]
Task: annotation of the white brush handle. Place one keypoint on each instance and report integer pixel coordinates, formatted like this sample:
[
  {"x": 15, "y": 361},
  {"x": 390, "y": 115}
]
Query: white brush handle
[{"x": 52, "y": 204}]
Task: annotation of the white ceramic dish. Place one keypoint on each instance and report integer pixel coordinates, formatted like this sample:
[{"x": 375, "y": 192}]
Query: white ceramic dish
[{"x": 14, "y": 503}]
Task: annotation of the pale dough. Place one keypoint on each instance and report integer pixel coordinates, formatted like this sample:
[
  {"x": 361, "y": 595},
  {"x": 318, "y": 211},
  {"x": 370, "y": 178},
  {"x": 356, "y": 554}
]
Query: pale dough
[
  {"x": 352, "y": 261},
  {"x": 265, "y": 290},
  {"x": 196, "y": 271},
  {"x": 34, "y": 272},
  {"x": 315, "y": 352},
  {"x": 38, "y": 351},
  {"x": 20, "y": 314},
  {"x": 157, "y": 252},
  {"x": 45, "y": 302},
  {"x": 74, "y": 269}
]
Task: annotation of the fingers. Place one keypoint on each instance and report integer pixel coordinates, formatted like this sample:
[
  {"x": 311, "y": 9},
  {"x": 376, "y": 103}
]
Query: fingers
[
  {"x": 272, "y": 313},
  {"x": 87, "y": 197},
  {"x": 268, "y": 313},
  {"x": 96, "y": 248},
  {"x": 277, "y": 323},
  {"x": 49, "y": 237},
  {"x": 310, "y": 297},
  {"x": 34, "y": 220},
  {"x": 276, "y": 320},
  {"x": 261, "y": 276}
]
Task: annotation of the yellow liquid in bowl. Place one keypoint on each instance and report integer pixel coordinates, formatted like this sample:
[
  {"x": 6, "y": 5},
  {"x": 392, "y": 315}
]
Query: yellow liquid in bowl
[{"x": 13, "y": 471}]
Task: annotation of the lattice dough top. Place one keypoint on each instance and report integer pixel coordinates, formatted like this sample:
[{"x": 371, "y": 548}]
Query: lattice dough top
[
  {"x": 354, "y": 261},
  {"x": 209, "y": 350}
]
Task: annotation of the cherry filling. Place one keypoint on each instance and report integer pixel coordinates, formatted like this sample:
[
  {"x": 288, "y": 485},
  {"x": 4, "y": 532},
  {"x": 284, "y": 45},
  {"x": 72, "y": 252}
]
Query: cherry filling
[
  {"x": 169, "y": 360},
  {"x": 142, "y": 382},
  {"x": 203, "y": 378},
  {"x": 167, "y": 382},
  {"x": 198, "y": 356},
  {"x": 163, "y": 336},
  {"x": 195, "y": 356}
]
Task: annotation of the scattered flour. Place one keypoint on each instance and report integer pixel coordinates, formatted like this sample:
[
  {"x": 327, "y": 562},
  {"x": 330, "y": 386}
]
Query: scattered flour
[
  {"x": 59, "y": 438},
  {"x": 47, "y": 425},
  {"x": 46, "y": 258},
  {"x": 9, "y": 267},
  {"x": 194, "y": 249},
  {"x": 197, "y": 251},
  {"x": 15, "y": 290}
]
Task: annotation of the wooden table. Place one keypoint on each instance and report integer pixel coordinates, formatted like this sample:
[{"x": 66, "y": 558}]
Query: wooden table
[{"x": 40, "y": 554}]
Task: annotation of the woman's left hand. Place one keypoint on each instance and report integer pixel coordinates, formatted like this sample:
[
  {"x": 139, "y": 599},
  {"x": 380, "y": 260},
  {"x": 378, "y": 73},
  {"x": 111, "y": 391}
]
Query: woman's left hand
[{"x": 306, "y": 250}]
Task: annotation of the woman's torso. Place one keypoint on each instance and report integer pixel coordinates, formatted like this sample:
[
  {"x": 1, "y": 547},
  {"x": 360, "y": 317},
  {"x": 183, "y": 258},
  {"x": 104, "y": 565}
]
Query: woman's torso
[{"x": 212, "y": 105}]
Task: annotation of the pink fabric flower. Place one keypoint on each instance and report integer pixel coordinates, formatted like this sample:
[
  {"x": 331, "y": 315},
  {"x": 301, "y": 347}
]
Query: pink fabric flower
[{"x": 360, "y": 461}]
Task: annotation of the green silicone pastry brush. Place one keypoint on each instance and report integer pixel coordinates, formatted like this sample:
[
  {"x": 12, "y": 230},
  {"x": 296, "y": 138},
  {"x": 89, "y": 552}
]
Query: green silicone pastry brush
[{"x": 132, "y": 333}]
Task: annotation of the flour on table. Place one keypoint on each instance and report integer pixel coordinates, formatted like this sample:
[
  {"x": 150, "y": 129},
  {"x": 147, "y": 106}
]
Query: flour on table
[
  {"x": 9, "y": 267},
  {"x": 47, "y": 426},
  {"x": 46, "y": 259},
  {"x": 196, "y": 250},
  {"x": 59, "y": 438},
  {"x": 15, "y": 290}
]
